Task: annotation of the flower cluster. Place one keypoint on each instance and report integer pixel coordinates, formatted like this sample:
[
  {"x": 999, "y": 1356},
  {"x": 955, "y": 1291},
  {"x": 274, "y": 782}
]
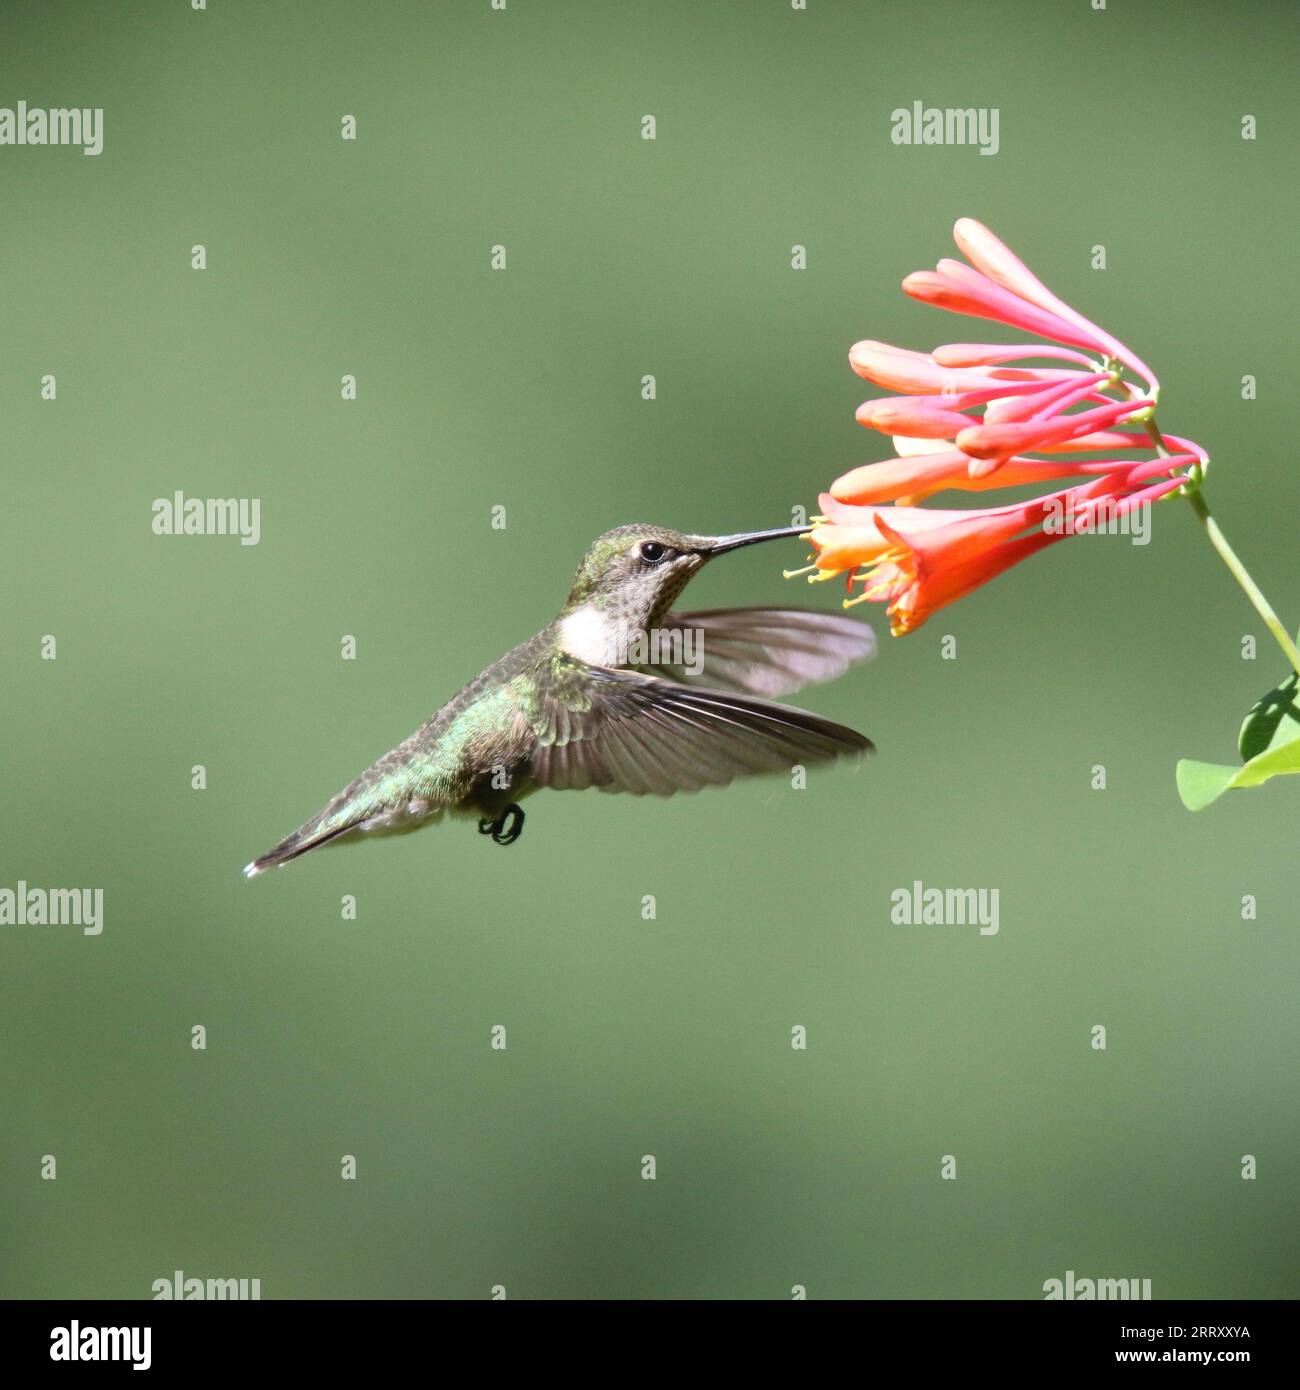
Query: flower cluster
[{"x": 964, "y": 418}]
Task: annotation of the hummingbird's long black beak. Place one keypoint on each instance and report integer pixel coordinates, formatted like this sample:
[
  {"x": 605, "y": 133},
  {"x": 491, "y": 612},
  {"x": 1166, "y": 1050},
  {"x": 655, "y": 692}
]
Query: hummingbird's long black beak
[{"x": 718, "y": 545}]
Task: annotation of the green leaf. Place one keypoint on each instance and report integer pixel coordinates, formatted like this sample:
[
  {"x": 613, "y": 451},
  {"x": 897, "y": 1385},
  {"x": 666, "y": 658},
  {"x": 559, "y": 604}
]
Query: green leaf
[
  {"x": 1275, "y": 763},
  {"x": 1201, "y": 783},
  {"x": 1269, "y": 742},
  {"x": 1273, "y": 721}
]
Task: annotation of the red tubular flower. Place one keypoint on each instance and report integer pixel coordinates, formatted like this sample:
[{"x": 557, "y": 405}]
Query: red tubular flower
[
  {"x": 966, "y": 418},
  {"x": 918, "y": 417},
  {"x": 917, "y": 569},
  {"x": 912, "y": 480},
  {"x": 990, "y": 255},
  {"x": 991, "y": 444},
  {"x": 991, "y": 354},
  {"x": 981, "y": 298},
  {"x": 914, "y": 587},
  {"x": 919, "y": 373}
]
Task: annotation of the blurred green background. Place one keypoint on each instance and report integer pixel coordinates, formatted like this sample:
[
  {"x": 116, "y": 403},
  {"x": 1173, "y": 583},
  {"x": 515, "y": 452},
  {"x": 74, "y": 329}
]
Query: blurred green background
[{"x": 523, "y": 389}]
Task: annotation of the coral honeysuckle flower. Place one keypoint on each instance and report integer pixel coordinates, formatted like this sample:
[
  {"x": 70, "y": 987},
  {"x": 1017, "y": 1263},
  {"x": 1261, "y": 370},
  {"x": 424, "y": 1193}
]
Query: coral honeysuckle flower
[
  {"x": 921, "y": 373},
  {"x": 917, "y": 560},
  {"x": 912, "y": 480},
  {"x": 971, "y": 417},
  {"x": 1073, "y": 406}
]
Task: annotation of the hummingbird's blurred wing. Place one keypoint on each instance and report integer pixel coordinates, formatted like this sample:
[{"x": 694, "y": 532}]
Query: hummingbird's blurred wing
[
  {"x": 765, "y": 651},
  {"x": 627, "y": 732}
]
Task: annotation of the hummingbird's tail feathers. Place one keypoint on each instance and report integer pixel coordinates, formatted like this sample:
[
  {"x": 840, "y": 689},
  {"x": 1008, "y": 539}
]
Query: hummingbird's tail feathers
[
  {"x": 383, "y": 800},
  {"x": 761, "y": 651},
  {"x": 643, "y": 735},
  {"x": 291, "y": 847}
]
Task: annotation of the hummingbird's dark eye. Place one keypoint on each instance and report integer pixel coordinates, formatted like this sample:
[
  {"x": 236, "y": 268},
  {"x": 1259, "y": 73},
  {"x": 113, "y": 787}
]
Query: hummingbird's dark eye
[{"x": 652, "y": 552}]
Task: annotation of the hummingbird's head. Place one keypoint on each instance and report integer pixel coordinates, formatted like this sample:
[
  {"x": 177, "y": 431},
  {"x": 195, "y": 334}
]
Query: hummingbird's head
[{"x": 633, "y": 573}]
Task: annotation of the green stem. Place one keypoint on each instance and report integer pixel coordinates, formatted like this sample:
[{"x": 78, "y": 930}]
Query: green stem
[
  {"x": 1196, "y": 496},
  {"x": 1239, "y": 572}
]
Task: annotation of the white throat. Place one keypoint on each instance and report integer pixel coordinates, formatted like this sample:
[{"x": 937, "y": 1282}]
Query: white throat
[{"x": 593, "y": 636}]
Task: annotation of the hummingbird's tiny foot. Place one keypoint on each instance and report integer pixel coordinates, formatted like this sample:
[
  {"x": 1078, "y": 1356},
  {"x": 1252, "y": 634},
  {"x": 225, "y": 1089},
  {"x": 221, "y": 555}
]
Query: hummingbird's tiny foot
[
  {"x": 510, "y": 826},
  {"x": 507, "y": 827}
]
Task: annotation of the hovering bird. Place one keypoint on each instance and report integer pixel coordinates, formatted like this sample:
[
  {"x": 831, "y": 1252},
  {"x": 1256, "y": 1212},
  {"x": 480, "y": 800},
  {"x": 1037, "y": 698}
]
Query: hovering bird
[{"x": 617, "y": 693}]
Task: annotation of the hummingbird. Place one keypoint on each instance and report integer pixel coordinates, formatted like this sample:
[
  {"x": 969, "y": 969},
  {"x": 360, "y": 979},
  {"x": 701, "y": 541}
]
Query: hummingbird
[{"x": 618, "y": 692}]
